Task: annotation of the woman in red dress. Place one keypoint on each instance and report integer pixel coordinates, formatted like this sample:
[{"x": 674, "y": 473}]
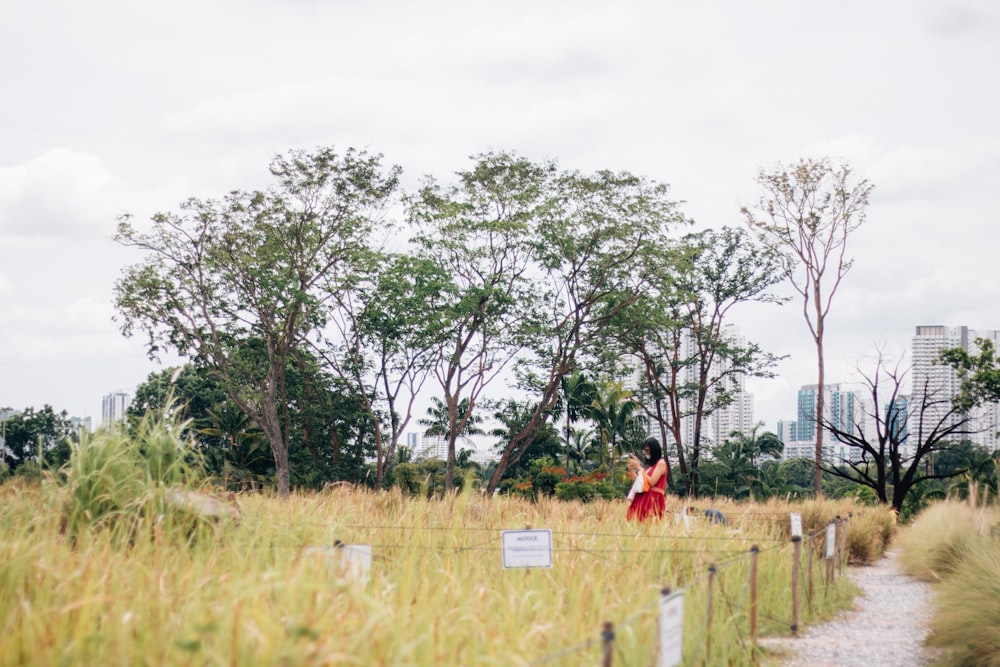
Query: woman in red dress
[{"x": 652, "y": 502}]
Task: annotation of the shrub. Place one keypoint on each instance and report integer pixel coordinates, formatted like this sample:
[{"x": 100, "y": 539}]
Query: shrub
[
  {"x": 120, "y": 482},
  {"x": 938, "y": 539},
  {"x": 406, "y": 477},
  {"x": 580, "y": 491},
  {"x": 546, "y": 479},
  {"x": 967, "y": 619},
  {"x": 869, "y": 533}
]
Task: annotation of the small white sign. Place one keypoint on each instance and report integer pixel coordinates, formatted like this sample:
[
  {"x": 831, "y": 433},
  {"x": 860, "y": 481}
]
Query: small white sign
[
  {"x": 345, "y": 561},
  {"x": 796, "y": 524},
  {"x": 831, "y": 539},
  {"x": 527, "y": 548},
  {"x": 671, "y": 628}
]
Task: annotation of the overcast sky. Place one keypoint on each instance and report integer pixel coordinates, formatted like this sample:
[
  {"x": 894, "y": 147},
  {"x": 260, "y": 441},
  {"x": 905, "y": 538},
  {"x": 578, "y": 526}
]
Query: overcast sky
[{"x": 111, "y": 106}]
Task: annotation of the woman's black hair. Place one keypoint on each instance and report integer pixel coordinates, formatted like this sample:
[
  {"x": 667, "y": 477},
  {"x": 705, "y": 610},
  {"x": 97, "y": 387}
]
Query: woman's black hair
[{"x": 655, "y": 453}]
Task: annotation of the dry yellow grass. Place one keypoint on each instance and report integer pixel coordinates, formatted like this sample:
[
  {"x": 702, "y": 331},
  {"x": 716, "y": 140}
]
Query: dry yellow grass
[
  {"x": 437, "y": 592},
  {"x": 955, "y": 544}
]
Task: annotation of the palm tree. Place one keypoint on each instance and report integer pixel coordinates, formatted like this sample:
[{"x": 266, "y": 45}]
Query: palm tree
[
  {"x": 741, "y": 454},
  {"x": 241, "y": 435},
  {"x": 438, "y": 423},
  {"x": 616, "y": 413},
  {"x": 578, "y": 394},
  {"x": 584, "y": 446},
  {"x": 512, "y": 417}
]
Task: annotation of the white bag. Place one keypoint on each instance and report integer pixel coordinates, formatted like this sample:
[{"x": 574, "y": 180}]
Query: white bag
[{"x": 638, "y": 486}]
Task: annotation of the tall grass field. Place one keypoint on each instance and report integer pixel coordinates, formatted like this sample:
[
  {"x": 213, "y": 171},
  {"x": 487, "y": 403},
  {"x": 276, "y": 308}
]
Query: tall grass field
[
  {"x": 956, "y": 545},
  {"x": 113, "y": 570}
]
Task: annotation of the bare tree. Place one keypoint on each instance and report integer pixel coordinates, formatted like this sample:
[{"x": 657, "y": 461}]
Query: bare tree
[
  {"x": 807, "y": 212},
  {"x": 897, "y": 456}
]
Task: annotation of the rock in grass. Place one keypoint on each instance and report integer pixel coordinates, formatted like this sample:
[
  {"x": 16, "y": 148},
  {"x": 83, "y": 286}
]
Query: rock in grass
[{"x": 204, "y": 505}]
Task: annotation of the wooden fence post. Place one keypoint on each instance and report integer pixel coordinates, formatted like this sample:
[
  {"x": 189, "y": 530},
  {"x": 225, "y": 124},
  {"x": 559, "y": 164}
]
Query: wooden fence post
[
  {"x": 829, "y": 553},
  {"x": 838, "y": 549},
  {"x": 809, "y": 568},
  {"x": 608, "y": 635},
  {"x": 754, "y": 551},
  {"x": 843, "y": 543},
  {"x": 708, "y": 622},
  {"x": 796, "y": 559}
]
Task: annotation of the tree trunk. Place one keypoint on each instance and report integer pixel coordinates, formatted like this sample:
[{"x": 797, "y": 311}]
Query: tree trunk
[
  {"x": 279, "y": 449},
  {"x": 663, "y": 437},
  {"x": 449, "y": 470},
  {"x": 820, "y": 405}
]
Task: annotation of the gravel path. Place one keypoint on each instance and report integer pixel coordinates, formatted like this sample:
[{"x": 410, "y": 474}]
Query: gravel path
[{"x": 886, "y": 628}]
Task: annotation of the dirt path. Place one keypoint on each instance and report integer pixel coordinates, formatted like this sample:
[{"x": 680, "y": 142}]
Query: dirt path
[{"x": 886, "y": 628}]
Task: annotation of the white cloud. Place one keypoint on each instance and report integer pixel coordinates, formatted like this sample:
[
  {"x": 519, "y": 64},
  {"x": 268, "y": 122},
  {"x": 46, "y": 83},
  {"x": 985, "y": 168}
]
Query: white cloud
[
  {"x": 59, "y": 193},
  {"x": 914, "y": 173}
]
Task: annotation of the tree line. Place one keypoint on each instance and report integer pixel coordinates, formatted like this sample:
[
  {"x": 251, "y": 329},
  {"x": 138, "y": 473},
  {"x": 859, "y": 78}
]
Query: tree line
[
  {"x": 319, "y": 308},
  {"x": 516, "y": 270}
]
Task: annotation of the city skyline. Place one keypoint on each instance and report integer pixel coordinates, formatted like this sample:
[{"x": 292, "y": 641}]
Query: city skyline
[{"x": 946, "y": 380}]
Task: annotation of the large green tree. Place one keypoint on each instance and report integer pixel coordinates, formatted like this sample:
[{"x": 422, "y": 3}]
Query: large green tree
[
  {"x": 478, "y": 230},
  {"x": 329, "y": 438},
  {"x": 388, "y": 329},
  {"x": 807, "y": 211},
  {"x": 511, "y": 417},
  {"x": 616, "y": 414},
  {"x": 265, "y": 265},
  {"x": 979, "y": 374},
  {"x": 736, "y": 465},
  {"x": 438, "y": 422},
  {"x": 689, "y": 361},
  {"x": 30, "y": 433},
  {"x": 578, "y": 393},
  {"x": 593, "y": 245}
]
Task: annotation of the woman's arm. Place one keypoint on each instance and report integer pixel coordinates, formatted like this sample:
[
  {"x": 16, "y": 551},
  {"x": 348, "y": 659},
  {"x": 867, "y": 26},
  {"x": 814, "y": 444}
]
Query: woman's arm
[{"x": 659, "y": 470}]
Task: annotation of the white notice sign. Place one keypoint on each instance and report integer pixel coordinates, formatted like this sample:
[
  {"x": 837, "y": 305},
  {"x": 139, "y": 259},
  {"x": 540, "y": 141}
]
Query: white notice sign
[
  {"x": 527, "y": 548},
  {"x": 796, "y": 524},
  {"x": 831, "y": 539},
  {"x": 671, "y": 627},
  {"x": 344, "y": 561}
]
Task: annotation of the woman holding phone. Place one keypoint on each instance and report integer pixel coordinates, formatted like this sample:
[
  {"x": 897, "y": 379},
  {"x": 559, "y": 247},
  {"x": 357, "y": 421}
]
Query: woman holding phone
[{"x": 654, "y": 468}]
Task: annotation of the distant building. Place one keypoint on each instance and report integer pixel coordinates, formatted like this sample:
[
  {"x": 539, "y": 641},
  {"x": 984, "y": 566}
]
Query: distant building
[
  {"x": 738, "y": 415},
  {"x": 938, "y": 383},
  {"x": 436, "y": 447},
  {"x": 843, "y": 408},
  {"x": 787, "y": 432},
  {"x": 114, "y": 407},
  {"x": 5, "y": 414},
  {"x": 716, "y": 427},
  {"x": 81, "y": 424},
  {"x": 896, "y": 420}
]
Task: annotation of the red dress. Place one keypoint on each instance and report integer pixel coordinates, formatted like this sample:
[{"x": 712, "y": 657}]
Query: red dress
[{"x": 649, "y": 504}]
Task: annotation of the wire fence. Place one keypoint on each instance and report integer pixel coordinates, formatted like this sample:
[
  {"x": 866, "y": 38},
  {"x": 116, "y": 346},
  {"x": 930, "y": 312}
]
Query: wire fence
[{"x": 739, "y": 612}]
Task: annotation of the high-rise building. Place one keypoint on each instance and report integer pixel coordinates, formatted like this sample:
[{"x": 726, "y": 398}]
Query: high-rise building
[
  {"x": 787, "y": 431},
  {"x": 896, "y": 422},
  {"x": 934, "y": 384},
  {"x": 114, "y": 406},
  {"x": 436, "y": 447},
  {"x": 842, "y": 408},
  {"x": 81, "y": 424},
  {"x": 738, "y": 414},
  {"x": 5, "y": 414},
  {"x": 716, "y": 427}
]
